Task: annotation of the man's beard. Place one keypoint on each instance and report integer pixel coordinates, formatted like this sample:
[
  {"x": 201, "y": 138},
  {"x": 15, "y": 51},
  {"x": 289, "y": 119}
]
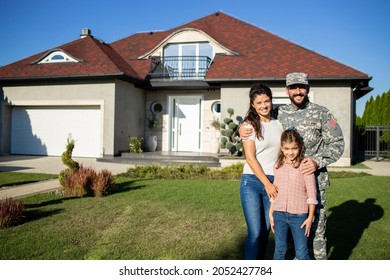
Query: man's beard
[{"x": 300, "y": 104}]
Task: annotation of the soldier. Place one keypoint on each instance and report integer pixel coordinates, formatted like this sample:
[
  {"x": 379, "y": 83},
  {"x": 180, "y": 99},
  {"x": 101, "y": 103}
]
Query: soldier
[{"x": 324, "y": 144}]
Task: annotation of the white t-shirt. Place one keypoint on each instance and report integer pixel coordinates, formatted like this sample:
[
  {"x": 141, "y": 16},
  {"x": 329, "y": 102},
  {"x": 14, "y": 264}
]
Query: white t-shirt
[{"x": 267, "y": 149}]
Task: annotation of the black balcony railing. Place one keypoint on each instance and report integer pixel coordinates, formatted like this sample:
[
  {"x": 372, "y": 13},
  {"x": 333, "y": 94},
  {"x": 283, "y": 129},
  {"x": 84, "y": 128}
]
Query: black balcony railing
[{"x": 179, "y": 67}]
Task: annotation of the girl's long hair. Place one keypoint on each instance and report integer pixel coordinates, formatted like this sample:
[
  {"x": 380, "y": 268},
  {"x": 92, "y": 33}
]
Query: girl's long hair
[
  {"x": 291, "y": 135},
  {"x": 252, "y": 116}
]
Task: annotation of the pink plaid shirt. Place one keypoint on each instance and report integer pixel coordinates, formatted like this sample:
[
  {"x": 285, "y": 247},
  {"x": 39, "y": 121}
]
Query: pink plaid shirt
[{"x": 295, "y": 190}]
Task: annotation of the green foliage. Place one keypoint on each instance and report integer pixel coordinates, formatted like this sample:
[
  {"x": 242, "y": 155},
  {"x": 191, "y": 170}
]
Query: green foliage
[
  {"x": 11, "y": 179},
  {"x": 376, "y": 111},
  {"x": 80, "y": 181},
  {"x": 198, "y": 219},
  {"x": 229, "y": 140},
  {"x": 155, "y": 121},
  {"x": 184, "y": 171},
  {"x": 67, "y": 155},
  {"x": 10, "y": 212},
  {"x": 135, "y": 144}
]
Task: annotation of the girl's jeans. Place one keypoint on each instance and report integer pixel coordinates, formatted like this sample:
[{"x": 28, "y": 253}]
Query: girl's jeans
[
  {"x": 284, "y": 221},
  {"x": 255, "y": 204}
]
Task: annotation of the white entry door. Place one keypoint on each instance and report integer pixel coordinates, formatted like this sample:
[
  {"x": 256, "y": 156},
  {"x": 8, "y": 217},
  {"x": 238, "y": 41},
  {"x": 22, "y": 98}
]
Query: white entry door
[{"x": 186, "y": 124}]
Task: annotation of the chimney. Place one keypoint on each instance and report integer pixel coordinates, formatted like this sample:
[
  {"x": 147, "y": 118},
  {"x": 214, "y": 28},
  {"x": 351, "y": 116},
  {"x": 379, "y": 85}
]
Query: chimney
[{"x": 85, "y": 32}]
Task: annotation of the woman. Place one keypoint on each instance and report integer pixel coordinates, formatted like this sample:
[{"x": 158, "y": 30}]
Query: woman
[{"x": 256, "y": 188}]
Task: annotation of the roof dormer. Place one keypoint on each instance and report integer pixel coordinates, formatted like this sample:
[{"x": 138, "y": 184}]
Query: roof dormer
[
  {"x": 188, "y": 35},
  {"x": 57, "y": 56}
]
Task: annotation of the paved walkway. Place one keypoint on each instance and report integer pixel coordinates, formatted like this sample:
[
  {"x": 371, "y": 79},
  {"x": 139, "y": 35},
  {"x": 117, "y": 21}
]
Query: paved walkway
[{"x": 53, "y": 165}]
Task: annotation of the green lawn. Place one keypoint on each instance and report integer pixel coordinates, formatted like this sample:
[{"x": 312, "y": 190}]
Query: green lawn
[
  {"x": 186, "y": 220},
  {"x": 10, "y": 179}
]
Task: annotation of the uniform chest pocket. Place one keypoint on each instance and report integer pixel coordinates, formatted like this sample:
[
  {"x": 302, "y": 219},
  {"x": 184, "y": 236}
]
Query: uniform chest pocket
[{"x": 311, "y": 132}]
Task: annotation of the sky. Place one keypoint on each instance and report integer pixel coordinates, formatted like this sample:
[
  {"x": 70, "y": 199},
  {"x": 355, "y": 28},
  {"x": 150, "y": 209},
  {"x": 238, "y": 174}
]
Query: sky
[{"x": 353, "y": 32}]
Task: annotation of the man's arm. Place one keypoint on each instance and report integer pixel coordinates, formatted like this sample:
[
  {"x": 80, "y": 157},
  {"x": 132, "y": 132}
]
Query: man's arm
[{"x": 333, "y": 142}]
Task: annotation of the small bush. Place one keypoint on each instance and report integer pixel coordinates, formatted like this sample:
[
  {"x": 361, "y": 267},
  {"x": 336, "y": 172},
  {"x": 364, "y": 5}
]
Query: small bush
[
  {"x": 103, "y": 183},
  {"x": 135, "y": 144},
  {"x": 86, "y": 182},
  {"x": 10, "y": 212},
  {"x": 184, "y": 171},
  {"x": 79, "y": 182}
]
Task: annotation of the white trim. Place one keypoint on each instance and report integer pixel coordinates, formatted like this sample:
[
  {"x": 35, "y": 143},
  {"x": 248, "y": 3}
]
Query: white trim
[
  {"x": 184, "y": 36},
  {"x": 50, "y": 58}
]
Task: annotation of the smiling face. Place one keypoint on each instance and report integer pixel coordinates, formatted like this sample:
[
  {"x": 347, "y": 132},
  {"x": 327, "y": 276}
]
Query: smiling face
[
  {"x": 290, "y": 151},
  {"x": 297, "y": 94},
  {"x": 263, "y": 105}
]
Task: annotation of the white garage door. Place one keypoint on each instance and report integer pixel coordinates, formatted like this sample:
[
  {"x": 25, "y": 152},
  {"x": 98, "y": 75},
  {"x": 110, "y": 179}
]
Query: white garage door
[{"x": 45, "y": 130}]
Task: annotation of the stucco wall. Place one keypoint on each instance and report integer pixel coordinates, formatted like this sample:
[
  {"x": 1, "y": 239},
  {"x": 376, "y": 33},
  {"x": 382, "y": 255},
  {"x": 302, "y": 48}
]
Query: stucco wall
[
  {"x": 129, "y": 115},
  {"x": 76, "y": 94},
  {"x": 339, "y": 101}
]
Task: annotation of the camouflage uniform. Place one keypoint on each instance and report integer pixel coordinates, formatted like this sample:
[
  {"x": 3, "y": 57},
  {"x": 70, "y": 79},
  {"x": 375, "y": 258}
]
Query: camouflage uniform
[{"x": 324, "y": 143}]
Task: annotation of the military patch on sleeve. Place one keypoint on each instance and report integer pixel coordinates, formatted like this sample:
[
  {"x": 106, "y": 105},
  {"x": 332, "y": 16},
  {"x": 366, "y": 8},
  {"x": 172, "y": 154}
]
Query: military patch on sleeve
[{"x": 332, "y": 123}]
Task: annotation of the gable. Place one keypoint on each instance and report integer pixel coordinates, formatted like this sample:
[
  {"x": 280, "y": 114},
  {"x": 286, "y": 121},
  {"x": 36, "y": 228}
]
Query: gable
[
  {"x": 56, "y": 56},
  {"x": 188, "y": 35}
]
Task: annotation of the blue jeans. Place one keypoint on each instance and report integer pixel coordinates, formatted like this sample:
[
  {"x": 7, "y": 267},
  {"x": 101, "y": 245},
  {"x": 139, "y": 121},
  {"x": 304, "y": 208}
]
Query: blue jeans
[
  {"x": 284, "y": 221},
  {"x": 255, "y": 204}
]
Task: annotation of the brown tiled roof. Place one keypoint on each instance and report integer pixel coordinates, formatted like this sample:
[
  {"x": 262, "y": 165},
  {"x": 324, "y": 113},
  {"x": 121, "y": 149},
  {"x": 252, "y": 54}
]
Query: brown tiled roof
[
  {"x": 262, "y": 55},
  {"x": 95, "y": 59}
]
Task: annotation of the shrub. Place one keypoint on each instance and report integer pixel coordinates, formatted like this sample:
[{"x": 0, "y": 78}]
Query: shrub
[
  {"x": 79, "y": 182},
  {"x": 10, "y": 212},
  {"x": 184, "y": 171},
  {"x": 103, "y": 183},
  {"x": 135, "y": 144},
  {"x": 67, "y": 160},
  {"x": 229, "y": 139},
  {"x": 86, "y": 182}
]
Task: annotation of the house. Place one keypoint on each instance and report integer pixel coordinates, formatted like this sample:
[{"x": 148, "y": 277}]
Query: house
[{"x": 101, "y": 94}]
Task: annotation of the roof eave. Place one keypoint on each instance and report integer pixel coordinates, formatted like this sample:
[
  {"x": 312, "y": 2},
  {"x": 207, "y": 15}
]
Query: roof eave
[{"x": 119, "y": 75}]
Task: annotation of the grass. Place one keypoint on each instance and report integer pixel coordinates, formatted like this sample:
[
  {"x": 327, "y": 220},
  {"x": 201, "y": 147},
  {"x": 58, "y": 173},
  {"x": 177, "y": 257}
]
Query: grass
[
  {"x": 10, "y": 179},
  {"x": 186, "y": 220}
]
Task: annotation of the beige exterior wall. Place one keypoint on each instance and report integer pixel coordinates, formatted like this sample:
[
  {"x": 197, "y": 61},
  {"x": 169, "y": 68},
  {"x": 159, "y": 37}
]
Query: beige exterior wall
[
  {"x": 82, "y": 94},
  {"x": 339, "y": 100},
  {"x": 129, "y": 115}
]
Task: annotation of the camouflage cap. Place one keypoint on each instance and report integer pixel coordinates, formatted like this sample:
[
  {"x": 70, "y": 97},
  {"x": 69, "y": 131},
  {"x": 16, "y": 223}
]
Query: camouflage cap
[{"x": 296, "y": 78}]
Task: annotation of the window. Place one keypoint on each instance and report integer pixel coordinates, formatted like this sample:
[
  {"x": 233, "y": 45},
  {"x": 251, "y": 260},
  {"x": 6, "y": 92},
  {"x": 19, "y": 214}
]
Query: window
[
  {"x": 188, "y": 60},
  {"x": 57, "y": 57},
  {"x": 155, "y": 107},
  {"x": 216, "y": 107}
]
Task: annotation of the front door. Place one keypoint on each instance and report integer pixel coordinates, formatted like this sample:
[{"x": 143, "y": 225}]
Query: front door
[{"x": 186, "y": 124}]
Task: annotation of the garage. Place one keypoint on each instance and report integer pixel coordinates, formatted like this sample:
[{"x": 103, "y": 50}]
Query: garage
[{"x": 43, "y": 130}]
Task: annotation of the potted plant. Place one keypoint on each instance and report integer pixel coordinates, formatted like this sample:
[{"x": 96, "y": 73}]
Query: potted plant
[{"x": 155, "y": 121}]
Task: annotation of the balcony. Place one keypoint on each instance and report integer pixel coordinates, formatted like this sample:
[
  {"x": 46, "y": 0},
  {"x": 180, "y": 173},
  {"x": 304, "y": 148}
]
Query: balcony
[{"x": 179, "y": 67}]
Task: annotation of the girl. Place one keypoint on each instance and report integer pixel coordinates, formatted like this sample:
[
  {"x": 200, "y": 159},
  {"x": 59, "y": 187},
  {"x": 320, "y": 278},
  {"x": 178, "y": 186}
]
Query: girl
[
  {"x": 261, "y": 151},
  {"x": 296, "y": 201}
]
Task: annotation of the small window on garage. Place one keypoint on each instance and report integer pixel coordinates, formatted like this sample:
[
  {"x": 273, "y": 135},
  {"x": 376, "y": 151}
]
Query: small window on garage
[
  {"x": 216, "y": 107},
  {"x": 156, "y": 107}
]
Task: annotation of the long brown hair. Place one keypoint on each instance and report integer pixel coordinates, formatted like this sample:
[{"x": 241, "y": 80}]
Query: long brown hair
[
  {"x": 252, "y": 116},
  {"x": 291, "y": 135}
]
